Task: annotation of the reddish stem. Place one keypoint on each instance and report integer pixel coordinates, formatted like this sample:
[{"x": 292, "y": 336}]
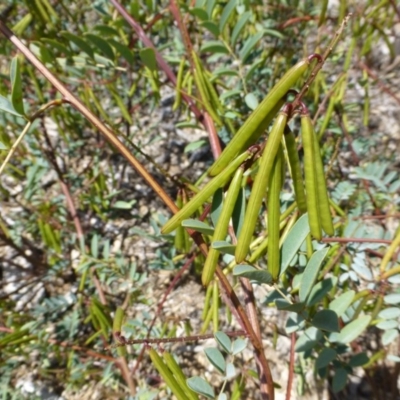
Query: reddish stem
[
  {"x": 212, "y": 136},
  {"x": 293, "y": 21},
  {"x": 291, "y": 366},
  {"x": 287, "y": 108},
  {"x": 315, "y": 56},
  {"x": 207, "y": 121},
  {"x": 303, "y": 108}
]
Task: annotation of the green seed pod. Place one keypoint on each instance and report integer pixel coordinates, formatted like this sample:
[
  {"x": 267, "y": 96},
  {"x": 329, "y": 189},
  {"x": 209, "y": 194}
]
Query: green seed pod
[
  {"x": 203, "y": 91},
  {"x": 262, "y": 128},
  {"x": 179, "y": 81},
  {"x": 274, "y": 213},
  {"x": 221, "y": 228},
  {"x": 204, "y": 194},
  {"x": 208, "y": 317},
  {"x": 215, "y": 307},
  {"x": 295, "y": 170},
  {"x": 118, "y": 319},
  {"x": 260, "y": 185},
  {"x": 179, "y": 375},
  {"x": 181, "y": 242},
  {"x": 167, "y": 375},
  {"x": 117, "y": 327},
  {"x": 212, "y": 93},
  {"x": 322, "y": 192},
  {"x": 259, "y": 115},
  {"x": 207, "y": 302},
  {"x": 310, "y": 174}
]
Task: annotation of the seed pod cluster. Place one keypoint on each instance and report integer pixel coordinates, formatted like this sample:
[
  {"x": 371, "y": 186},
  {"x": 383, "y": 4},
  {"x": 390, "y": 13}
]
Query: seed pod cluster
[
  {"x": 260, "y": 185},
  {"x": 310, "y": 192}
]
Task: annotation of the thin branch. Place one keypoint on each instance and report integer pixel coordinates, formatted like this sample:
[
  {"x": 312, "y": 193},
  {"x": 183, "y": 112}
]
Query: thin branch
[
  {"x": 354, "y": 240},
  {"x": 122, "y": 341},
  {"x": 332, "y": 262},
  {"x": 123, "y": 366},
  {"x": 379, "y": 82},
  {"x": 257, "y": 344},
  {"x": 64, "y": 187},
  {"x": 252, "y": 313},
  {"x": 364, "y": 217},
  {"x": 33, "y": 259},
  {"x": 72, "y": 210},
  {"x": 68, "y": 345},
  {"x": 23, "y": 285},
  {"x": 14, "y": 146},
  {"x": 320, "y": 64},
  {"x": 397, "y": 11},
  {"x": 294, "y": 21},
  {"x": 328, "y": 95}
]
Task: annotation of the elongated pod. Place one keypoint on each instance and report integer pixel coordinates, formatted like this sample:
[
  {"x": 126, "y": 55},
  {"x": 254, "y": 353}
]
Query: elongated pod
[
  {"x": 295, "y": 170},
  {"x": 215, "y": 306},
  {"x": 189, "y": 208},
  {"x": 118, "y": 319},
  {"x": 179, "y": 80},
  {"x": 179, "y": 376},
  {"x": 117, "y": 327},
  {"x": 322, "y": 192},
  {"x": 221, "y": 228},
  {"x": 206, "y": 303},
  {"x": 213, "y": 95},
  {"x": 265, "y": 123},
  {"x": 258, "y": 115},
  {"x": 203, "y": 90},
  {"x": 274, "y": 213},
  {"x": 181, "y": 241},
  {"x": 310, "y": 174},
  {"x": 167, "y": 375},
  {"x": 260, "y": 185}
]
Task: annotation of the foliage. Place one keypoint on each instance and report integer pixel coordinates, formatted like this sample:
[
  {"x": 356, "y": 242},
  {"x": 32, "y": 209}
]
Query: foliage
[{"x": 74, "y": 212}]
